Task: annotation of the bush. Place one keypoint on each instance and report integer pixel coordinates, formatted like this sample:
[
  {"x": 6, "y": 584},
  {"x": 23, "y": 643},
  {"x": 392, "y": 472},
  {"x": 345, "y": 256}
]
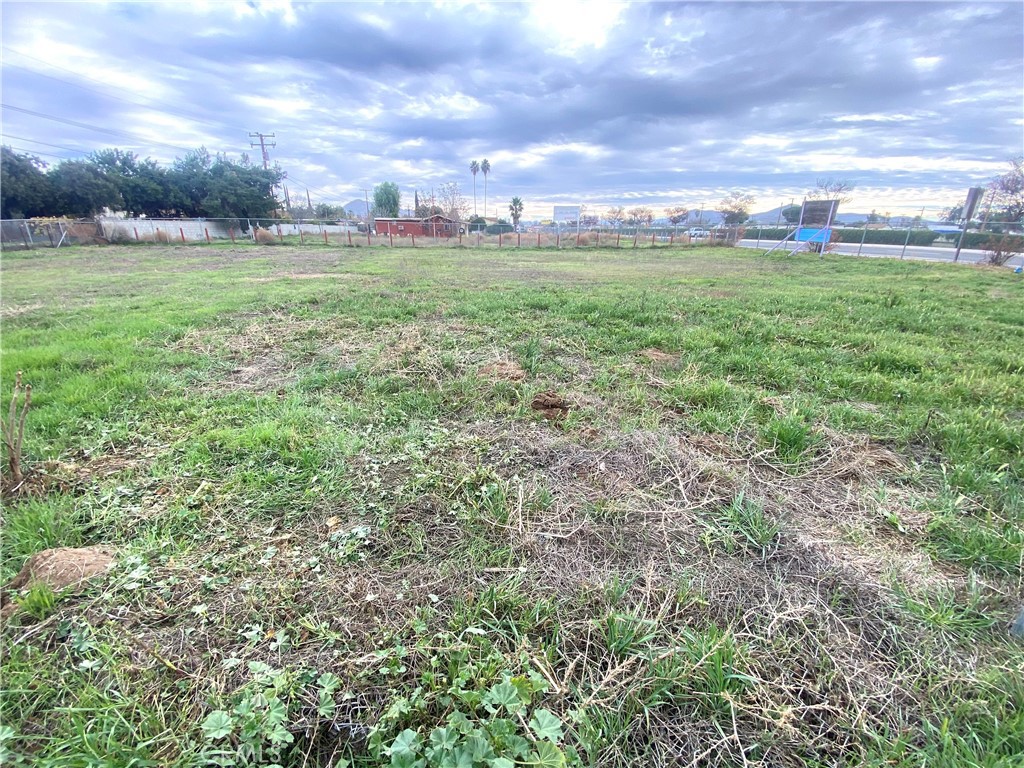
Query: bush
[
  {"x": 265, "y": 237},
  {"x": 999, "y": 250},
  {"x": 873, "y": 236},
  {"x": 498, "y": 229}
]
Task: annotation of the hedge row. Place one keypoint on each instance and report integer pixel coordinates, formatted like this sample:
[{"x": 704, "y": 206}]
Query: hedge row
[{"x": 891, "y": 236}]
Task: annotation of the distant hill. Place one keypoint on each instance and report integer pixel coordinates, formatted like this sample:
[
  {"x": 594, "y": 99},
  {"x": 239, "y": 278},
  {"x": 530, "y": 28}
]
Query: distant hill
[{"x": 358, "y": 207}]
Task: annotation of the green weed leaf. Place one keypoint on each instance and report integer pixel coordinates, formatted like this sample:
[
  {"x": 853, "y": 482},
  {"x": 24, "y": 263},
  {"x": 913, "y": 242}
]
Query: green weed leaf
[
  {"x": 547, "y": 755},
  {"x": 505, "y": 696},
  {"x": 217, "y": 725},
  {"x": 546, "y": 726}
]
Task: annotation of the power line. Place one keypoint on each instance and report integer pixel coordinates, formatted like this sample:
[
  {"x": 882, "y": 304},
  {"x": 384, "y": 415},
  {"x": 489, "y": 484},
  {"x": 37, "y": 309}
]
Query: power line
[
  {"x": 161, "y": 110},
  {"x": 36, "y": 152},
  {"x": 43, "y": 143},
  {"x": 87, "y": 126}
]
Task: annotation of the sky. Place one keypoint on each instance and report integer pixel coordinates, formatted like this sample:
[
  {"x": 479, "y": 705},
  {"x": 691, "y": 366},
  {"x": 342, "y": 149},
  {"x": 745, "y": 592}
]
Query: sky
[{"x": 656, "y": 104}]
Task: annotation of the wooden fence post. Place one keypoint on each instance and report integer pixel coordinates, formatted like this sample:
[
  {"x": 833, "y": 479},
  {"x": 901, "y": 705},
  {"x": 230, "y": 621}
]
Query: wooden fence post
[
  {"x": 182, "y": 230},
  {"x": 207, "y": 231},
  {"x": 231, "y": 231}
]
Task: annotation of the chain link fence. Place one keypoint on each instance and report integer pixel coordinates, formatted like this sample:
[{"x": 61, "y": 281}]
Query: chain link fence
[{"x": 37, "y": 233}]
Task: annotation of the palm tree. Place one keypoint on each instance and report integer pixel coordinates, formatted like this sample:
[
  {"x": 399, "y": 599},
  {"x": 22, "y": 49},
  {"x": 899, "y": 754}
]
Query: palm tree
[
  {"x": 515, "y": 209},
  {"x": 485, "y": 166},
  {"x": 474, "y": 168}
]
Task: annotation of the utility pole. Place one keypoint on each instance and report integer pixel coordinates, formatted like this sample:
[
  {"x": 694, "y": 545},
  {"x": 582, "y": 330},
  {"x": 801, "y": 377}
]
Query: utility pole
[
  {"x": 366, "y": 197},
  {"x": 263, "y": 146}
]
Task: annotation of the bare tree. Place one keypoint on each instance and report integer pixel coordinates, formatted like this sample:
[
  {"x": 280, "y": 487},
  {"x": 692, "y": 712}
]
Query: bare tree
[
  {"x": 641, "y": 216},
  {"x": 615, "y": 216},
  {"x": 832, "y": 189},
  {"x": 1008, "y": 191},
  {"x": 677, "y": 215},
  {"x": 451, "y": 202},
  {"x": 735, "y": 208}
]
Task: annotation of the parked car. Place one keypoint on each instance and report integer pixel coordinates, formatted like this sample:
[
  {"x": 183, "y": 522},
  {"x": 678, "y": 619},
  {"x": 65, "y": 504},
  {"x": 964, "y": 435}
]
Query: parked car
[{"x": 697, "y": 232}]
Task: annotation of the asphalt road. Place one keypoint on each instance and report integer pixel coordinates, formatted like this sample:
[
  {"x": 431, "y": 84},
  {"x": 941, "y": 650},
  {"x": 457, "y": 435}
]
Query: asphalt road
[{"x": 917, "y": 252}]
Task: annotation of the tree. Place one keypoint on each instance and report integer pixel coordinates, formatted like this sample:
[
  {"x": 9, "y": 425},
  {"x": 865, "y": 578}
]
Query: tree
[
  {"x": 82, "y": 190},
  {"x": 451, "y": 202},
  {"x": 615, "y": 216},
  {"x": 832, "y": 189},
  {"x": 1008, "y": 192},
  {"x": 515, "y": 209},
  {"x": 387, "y": 200},
  {"x": 677, "y": 215},
  {"x": 641, "y": 216},
  {"x": 25, "y": 189},
  {"x": 735, "y": 208},
  {"x": 426, "y": 207},
  {"x": 791, "y": 213},
  {"x": 144, "y": 186},
  {"x": 485, "y": 168},
  {"x": 477, "y": 223},
  {"x": 474, "y": 168}
]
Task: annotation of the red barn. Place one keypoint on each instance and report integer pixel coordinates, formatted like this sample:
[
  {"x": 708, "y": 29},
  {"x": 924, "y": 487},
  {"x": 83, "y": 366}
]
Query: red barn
[{"x": 431, "y": 226}]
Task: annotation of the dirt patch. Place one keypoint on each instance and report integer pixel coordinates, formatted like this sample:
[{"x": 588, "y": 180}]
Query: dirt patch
[
  {"x": 658, "y": 357},
  {"x": 19, "y": 310},
  {"x": 65, "y": 568},
  {"x": 550, "y": 405},
  {"x": 503, "y": 371}
]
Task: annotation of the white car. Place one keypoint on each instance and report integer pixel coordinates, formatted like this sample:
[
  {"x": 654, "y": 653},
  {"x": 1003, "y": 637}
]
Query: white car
[{"x": 696, "y": 232}]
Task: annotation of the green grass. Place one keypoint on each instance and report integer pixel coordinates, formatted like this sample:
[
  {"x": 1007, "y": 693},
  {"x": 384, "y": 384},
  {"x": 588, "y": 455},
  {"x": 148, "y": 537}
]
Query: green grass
[{"x": 304, "y": 473}]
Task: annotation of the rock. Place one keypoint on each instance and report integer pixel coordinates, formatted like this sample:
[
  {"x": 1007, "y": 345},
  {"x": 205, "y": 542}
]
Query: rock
[
  {"x": 1017, "y": 628},
  {"x": 64, "y": 568}
]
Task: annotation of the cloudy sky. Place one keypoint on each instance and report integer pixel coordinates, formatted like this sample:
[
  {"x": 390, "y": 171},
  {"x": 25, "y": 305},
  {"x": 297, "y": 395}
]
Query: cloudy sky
[{"x": 601, "y": 103}]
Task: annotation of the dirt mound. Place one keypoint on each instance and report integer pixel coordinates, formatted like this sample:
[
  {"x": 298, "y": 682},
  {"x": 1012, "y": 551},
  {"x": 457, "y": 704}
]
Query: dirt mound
[
  {"x": 503, "y": 371},
  {"x": 60, "y": 569},
  {"x": 659, "y": 357},
  {"x": 550, "y": 405}
]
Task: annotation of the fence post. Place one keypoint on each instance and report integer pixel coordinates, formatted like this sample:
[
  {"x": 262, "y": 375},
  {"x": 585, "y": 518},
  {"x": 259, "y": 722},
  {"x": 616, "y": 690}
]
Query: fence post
[
  {"x": 636, "y": 234},
  {"x": 758, "y": 244},
  {"x": 207, "y": 231},
  {"x": 499, "y": 238},
  {"x": 324, "y": 231},
  {"x": 598, "y": 241},
  {"x": 158, "y": 234},
  {"x": 538, "y": 238},
  {"x": 618, "y": 234},
  {"x": 391, "y": 237},
  {"x": 862, "y": 238},
  {"x": 519, "y": 239},
  {"x": 280, "y": 234},
  {"x": 24, "y": 234},
  {"x": 653, "y": 234},
  {"x": 349, "y": 233},
  {"x": 136, "y": 233},
  {"x": 905, "y": 244},
  {"x": 558, "y": 237},
  {"x": 672, "y": 238},
  {"x": 302, "y": 240},
  {"x": 368, "y": 235},
  {"x": 413, "y": 239}
]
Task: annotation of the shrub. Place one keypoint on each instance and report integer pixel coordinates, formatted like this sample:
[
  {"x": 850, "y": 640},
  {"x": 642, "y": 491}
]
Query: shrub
[
  {"x": 999, "y": 250},
  {"x": 265, "y": 237}
]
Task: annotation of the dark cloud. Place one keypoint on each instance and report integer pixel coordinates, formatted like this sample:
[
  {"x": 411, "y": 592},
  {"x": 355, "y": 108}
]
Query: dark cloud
[{"x": 656, "y": 102}]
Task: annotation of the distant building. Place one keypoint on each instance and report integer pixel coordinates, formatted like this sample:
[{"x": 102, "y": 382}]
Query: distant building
[{"x": 431, "y": 226}]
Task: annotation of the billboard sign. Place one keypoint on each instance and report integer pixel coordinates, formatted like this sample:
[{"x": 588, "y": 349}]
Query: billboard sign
[
  {"x": 566, "y": 213},
  {"x": 974, "y": 195},
  {"x": 819, "y": 213}
]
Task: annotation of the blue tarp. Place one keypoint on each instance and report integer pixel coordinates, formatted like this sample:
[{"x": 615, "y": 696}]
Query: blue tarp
[{"x": 813, "y": 235}]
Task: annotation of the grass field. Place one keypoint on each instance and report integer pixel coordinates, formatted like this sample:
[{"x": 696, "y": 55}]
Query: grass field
[{"x": 469, "y": 508}]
